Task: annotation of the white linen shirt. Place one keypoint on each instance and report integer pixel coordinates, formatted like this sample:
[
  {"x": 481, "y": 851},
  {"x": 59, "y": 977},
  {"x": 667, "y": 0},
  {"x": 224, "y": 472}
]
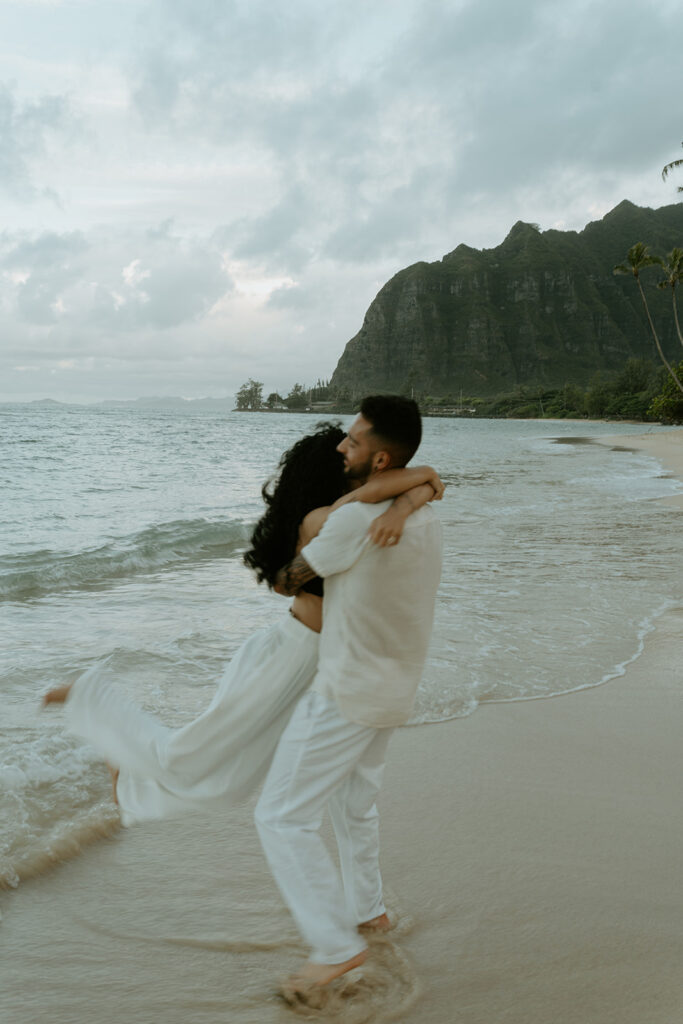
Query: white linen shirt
[{"x": 378, "y": 611}]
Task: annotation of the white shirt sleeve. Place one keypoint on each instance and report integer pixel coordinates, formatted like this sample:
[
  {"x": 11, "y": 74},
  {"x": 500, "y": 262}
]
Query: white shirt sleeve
[{"x": 342, "y": 539}]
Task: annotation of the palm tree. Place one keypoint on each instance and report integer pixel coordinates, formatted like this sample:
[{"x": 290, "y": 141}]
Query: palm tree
[
  {"x": 673, "y": 268},
  {"x": 670, "y": 167},
  {"x": 637, "y": 259}
]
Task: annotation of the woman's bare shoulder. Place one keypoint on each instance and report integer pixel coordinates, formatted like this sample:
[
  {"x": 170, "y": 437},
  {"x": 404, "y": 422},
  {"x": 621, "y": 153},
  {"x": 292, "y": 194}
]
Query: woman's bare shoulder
[{"x": 312, "y": 524}]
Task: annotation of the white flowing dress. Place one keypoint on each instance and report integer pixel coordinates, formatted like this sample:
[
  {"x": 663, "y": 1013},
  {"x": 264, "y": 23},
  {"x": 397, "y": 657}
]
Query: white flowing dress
[{"x": 216, "y": 759}]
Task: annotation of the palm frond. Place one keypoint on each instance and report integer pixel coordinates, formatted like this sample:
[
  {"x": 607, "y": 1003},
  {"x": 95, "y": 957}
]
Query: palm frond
[
  {"x": 673, "y": 268},
  {"x": 670, "y": 167},
  {"x": 675, "y": 261},
  {"x": 637, "y": 258}
]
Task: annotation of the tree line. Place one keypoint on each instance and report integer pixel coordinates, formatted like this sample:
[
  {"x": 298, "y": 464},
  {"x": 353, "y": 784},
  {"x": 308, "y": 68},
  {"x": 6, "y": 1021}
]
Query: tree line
[
  {"x": 640, "y": 258},
  {"x": 249, "y": 397},
  {"x": 640, "y": 391}
]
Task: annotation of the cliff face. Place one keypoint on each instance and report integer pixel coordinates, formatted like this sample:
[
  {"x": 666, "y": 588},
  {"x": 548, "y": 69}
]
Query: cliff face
[{"x": 542, "y": 308}]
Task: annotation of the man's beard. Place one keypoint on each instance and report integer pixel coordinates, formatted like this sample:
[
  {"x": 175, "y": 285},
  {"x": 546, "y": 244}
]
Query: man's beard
[{"x": 360, "y": 472}]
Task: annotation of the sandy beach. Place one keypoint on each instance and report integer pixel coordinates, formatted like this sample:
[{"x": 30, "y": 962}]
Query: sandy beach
[
  {"x": 531, "y": 855},
  {"x": 667, "y": 447}
]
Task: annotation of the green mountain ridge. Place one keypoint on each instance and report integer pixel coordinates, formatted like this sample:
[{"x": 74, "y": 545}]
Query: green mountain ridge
[{"x": 543, "y": 308}]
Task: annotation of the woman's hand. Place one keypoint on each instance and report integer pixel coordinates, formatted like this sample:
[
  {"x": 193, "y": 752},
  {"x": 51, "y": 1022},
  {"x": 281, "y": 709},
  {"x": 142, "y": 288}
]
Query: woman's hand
[
  {"x": 387, "y": 529},
  {"x": 437, "y": 485}
]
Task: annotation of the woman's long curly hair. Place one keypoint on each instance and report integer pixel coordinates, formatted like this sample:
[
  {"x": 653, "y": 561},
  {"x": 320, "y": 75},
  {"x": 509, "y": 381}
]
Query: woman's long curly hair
[{"x": 310, "y": 474}]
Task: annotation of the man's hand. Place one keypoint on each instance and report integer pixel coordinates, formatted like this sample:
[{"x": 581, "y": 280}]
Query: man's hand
[{"x": 291, "y": 578}]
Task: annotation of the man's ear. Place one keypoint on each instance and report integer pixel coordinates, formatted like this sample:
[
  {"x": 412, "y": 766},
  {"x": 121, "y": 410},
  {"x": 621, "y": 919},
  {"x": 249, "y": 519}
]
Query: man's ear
[{"x": 381, "y": 461}]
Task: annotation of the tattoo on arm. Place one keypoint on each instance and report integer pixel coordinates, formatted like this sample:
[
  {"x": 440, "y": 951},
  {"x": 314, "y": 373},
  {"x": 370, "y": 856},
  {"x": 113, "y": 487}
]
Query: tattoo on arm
[{"x": 291, "y": 578}]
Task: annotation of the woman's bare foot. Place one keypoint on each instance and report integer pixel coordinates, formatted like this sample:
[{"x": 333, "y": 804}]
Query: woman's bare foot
[
  {"x": 376, "y": 924},
  {"x": 57, "y": 696},
  {"x": 313, "y": 976},
  {"x": 114, "y": 772}
]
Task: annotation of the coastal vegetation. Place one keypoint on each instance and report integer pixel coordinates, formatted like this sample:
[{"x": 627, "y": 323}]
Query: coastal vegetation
[
  {"x": 667, "y": 406},
  {"x": 249, "y": 397},
  {"x": 639, "y": 391},
  {"x": 638, "y": 258}
]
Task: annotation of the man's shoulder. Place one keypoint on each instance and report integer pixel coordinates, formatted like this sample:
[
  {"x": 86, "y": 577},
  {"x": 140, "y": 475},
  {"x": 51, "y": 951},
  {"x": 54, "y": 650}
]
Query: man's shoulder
[
  {"x": 357, "y": 513},
  {"x": 423, "y": 516},
  {"x": 342, "y": 539}
]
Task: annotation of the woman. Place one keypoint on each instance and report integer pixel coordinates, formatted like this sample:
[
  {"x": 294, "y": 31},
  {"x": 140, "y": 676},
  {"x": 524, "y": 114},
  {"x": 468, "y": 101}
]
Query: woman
[{"x": 225, "y": 752}]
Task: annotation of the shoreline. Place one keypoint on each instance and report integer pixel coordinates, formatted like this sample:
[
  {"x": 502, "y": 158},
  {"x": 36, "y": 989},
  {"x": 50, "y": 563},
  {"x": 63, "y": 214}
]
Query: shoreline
[
  {"x": 665, "y": 446},
  {"x": 530, "y": 852},
  {"x": 209, "y": 405}
]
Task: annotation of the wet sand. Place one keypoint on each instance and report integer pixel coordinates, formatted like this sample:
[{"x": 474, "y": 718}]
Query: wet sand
[
  {"x": 667, "y": 447},
  {"x": 531, "y": 854}
]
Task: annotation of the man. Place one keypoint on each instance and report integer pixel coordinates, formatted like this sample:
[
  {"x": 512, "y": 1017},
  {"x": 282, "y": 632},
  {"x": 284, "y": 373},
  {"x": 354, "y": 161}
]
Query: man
[{"x": 377, "y": 619}]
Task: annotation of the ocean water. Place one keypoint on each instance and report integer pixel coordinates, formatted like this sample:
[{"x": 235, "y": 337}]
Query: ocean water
[{"x": 121, "y": 533}]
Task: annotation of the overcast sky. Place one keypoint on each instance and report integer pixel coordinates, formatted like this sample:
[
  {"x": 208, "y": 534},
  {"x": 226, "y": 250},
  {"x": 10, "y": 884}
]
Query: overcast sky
[{"x": 198, "y": 191}]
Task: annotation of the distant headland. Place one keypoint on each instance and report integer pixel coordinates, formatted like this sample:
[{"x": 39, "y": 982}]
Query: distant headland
[
  {"x": 541, "y": 310},
  {"x": 538, "y": 326}
]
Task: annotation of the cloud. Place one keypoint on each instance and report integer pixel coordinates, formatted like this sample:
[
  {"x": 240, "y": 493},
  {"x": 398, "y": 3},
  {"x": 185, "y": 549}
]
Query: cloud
[
  {"x": 25, "y": 128},
  {"x": 250, "y": 173},
  {"x": 362, "y": 112},
  {"x": 287, "y": 86},
  {"x": 549, "y": 86},
  {"x": 110, "y": 281},
  {"x": 274, "y": 236}
]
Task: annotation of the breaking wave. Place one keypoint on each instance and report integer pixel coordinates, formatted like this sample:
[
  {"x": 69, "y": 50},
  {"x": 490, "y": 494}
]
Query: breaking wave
[{"x": 165, "y": 546}]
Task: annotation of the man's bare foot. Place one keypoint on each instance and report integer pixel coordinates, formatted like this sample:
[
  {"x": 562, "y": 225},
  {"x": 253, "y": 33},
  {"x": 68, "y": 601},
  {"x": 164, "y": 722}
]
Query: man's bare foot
[
  {"x": 376, "y": 924},
  {"x": 314, "y": 976},
  {"x": 57, "y": 696}
]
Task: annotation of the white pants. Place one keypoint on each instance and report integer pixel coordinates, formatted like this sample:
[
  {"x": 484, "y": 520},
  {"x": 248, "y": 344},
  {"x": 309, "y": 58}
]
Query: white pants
[{"x": 324, "y": 760}]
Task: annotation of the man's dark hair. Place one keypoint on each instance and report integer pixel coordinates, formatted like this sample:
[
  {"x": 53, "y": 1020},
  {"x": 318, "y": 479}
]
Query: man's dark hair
[{"x": 395, "y": 423}]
